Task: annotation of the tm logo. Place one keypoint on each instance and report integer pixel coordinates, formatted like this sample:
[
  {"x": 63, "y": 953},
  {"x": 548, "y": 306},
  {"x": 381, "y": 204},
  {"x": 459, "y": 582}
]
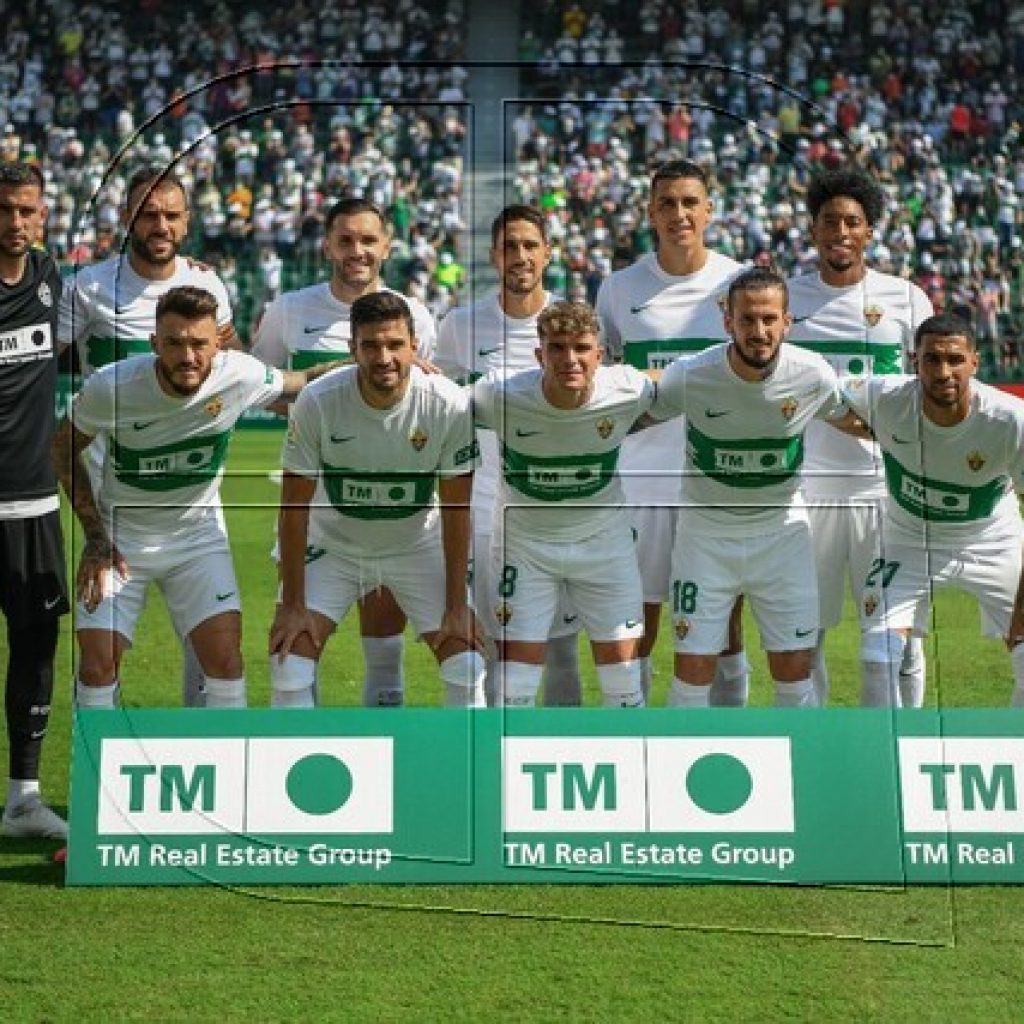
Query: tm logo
[
  {"x": 654, "y": 784},
  {"x": 254, "y": 785},
  {"x": 961, "y": 784}
]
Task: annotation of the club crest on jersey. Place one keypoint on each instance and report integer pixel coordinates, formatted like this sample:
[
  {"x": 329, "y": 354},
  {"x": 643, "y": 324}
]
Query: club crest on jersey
[
  {"x": 873, "y": 314},
  {"x": 214, "y": 405},
  {"x": 503, "y": 613},
  {"x": 870, "y": 604},
  {"x": 418, "y": 439},
  {"x": 605, "y": 426},
  {"x": 975, "y": 460},
  {"x": 682, "y": 628},
  {"x": 44, "y": 294},
  {"x": 789, "y": 408}
]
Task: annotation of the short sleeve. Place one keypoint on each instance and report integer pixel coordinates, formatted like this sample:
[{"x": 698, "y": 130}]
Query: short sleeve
[
  {"x": 611, "y": 338},
  {"x": 301, "y": 453},
  {"x": 72, "y": 315},
  {"x": 93, "y": 408},
  {"x": 426, "y": 333},
  {"x": 268, "y": 343},
  {"x": 670, "y": 398},
  {"x": 461, "y": 452},
  {"x": 452, "y": 356},
  {"x": 483, "y": 399},
  {"x": 833, "y": 405},
  {"x": 263, "y": 383}
]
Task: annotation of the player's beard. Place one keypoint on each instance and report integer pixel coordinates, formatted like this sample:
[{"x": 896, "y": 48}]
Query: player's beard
[
  {"x": 763, "y": 366},
  {"x": 168, "y": 379},
  {"x": 140, "y": 247}
]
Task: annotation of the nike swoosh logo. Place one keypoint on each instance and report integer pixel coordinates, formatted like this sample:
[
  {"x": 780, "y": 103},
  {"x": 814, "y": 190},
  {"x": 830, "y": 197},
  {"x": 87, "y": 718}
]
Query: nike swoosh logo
[
  {"x": 142, "y": 426},
  {"x": 526, "y": 433},
  {"x": 51, "y": 603},
  {"x": 37, "y": 734},
  {"x": 801, "y": 319},
  {"x": 713, "y": 414},
  {"x": 224, "y": 597},
  {"x": 632, "y": 623},
  {"x": 315, "y": 330},
  {"x": 804, "y": 632},
  {"x": 900, "y": 440},
  {"x": 569, "y": 619},
  {"x": 487, "y": 351},
  {"x": 341, "y": 440},
  {"x": 641, "y": 307}
]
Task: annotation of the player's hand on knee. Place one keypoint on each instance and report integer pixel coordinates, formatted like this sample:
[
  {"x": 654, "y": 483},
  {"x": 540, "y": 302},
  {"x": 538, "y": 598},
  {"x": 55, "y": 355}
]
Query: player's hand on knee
[
  {"x": 460, "y": 625},
  {"x": 99, "y": 558},
  {"x": 290, "y": 623}
]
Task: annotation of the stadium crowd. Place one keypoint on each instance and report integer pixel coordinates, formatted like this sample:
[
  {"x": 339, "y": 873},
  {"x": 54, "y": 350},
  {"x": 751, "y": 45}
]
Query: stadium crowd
[
  {"x": 262, "y": 152},
  {"x": 759, "y": 94}
]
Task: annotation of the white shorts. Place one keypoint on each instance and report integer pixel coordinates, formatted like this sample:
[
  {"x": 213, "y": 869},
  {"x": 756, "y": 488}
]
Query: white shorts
[
  {"x": 776, "y": 573},
  {"x": 566, "y": 621},
  {"x": 195, "y": 588},
  {"x": 899, "y": 584},
  {"x": 845, "y": 539},
  {"x": 334, "y": 582},
  {"x": 599, "y": 575},
  {"x": 655, "y": 533}
]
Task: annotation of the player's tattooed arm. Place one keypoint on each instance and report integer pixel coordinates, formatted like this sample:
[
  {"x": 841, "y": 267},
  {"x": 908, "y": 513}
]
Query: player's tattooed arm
[
  {"x": 292, "y": 618},
  {"x": 99, "y": 553},
  {"x": 229, "y": 339},
  {"x": 459, "y": 626}
]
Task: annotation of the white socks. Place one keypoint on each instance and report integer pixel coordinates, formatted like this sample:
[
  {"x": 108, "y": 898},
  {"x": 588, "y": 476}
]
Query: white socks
[
  {"x": 620, "y": 684},
  {"x": 518, "y": 684},
  {"x": 795, "y": 695},
  {"x": 687, "y": 695},
  {"x": 912, "y": 673},
  {"x": 19, "y": 790},
  {"x": 225, "y": 693},
  {"x": 384, "y": 683},
  {"x": 731, "y": 684},
  {"x": 819, "y": 671},
  {"x": 561, "y": 675},
  {"x": 95, "y": 696},
  {"x": 292, "y": 681},
  {"x": 463, "y": 676}
]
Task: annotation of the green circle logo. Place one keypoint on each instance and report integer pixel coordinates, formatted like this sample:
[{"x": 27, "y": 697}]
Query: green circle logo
[
  {"x": 856, "y": 366},
  {"x": 319, "y": 784},
  {"x": 396, "y": 493},
  {"x": 194, "y": 458},
  {"x": 768, "y": 460},
  {"x": 950, "y": 501},
  {"x": 719, "y": 783}
]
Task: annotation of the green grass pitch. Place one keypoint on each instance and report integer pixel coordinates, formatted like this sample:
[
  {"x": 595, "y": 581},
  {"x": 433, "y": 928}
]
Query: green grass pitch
[{"x": 466, "y": 953}]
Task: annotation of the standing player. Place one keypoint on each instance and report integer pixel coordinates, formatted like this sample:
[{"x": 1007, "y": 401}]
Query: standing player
[
  {"x": 109, "y": 309},
  {"x": 500, "y": 333},
  {"x": 382, "y": 437},
  {"x": 32, "y": 588},
  {"x": 560, "y": 520},
  {"x": 156, "y": 516},
  {"x": 743, "y": 529},
  {"x": 663, "y": 306},
  {"x": 313, "y": 325},
  {"x": 862, "y": 322},
  {"x": 954, "y": 454}
]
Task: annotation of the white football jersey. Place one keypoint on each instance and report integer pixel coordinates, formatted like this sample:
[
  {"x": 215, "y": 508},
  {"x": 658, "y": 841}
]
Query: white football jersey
[
  {"x": 648, "y": 319},
  {"x": 559, "y": 466},
  {"x": 302, "y": 328},
  {"x": 109, "y": 312},
  {"x": 164, "y": 458},
  {"x": 475, "y": 340},
  {"x": 947, "y": 486},
  {"x": 745, "y": 439},
  {"x": 378, "y": 467},
  {"x": 865, "y": 329}
]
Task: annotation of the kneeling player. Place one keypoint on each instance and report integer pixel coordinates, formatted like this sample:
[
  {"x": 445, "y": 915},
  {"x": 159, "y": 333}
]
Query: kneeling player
[
  {"x": 385, "y": 439},
  {"x": 156, "y": 516},
  {"x": 953, "y": 450},
  {"x": 562, "y": 509}
]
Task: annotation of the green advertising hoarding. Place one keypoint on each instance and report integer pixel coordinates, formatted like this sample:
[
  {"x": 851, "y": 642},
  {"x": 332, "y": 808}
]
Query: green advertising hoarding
[{"x": 577, "y": 796}]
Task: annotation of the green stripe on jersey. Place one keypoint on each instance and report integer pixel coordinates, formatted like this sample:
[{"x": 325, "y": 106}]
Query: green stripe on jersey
[
  {"x": 858, "y": 356},
  {"x": 657, "y": 353},
  {"x": 753, "y": 462},
  {"x": 101, "y": 351},
  {"x": 304, "y": 359},
  {"x": 558, "y": 477},
  {"x": 364, "y": 495},
  {"x": 938, "y": 501},
  {"x": 170, "y": 466}
]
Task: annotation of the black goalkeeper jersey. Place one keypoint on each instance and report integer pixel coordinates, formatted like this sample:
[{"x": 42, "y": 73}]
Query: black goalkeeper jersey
[{"x": 28, "y": 380}]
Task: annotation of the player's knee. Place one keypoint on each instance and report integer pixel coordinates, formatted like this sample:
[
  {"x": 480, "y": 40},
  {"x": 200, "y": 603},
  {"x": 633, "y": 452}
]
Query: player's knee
[
  {"x": 98, "y": 657},
  {"x": 882, "y": 647},
  {"x": 223, "y": 663},
  {"x": 463, "y": 677},
  {"x": 292, "y": 681}
]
